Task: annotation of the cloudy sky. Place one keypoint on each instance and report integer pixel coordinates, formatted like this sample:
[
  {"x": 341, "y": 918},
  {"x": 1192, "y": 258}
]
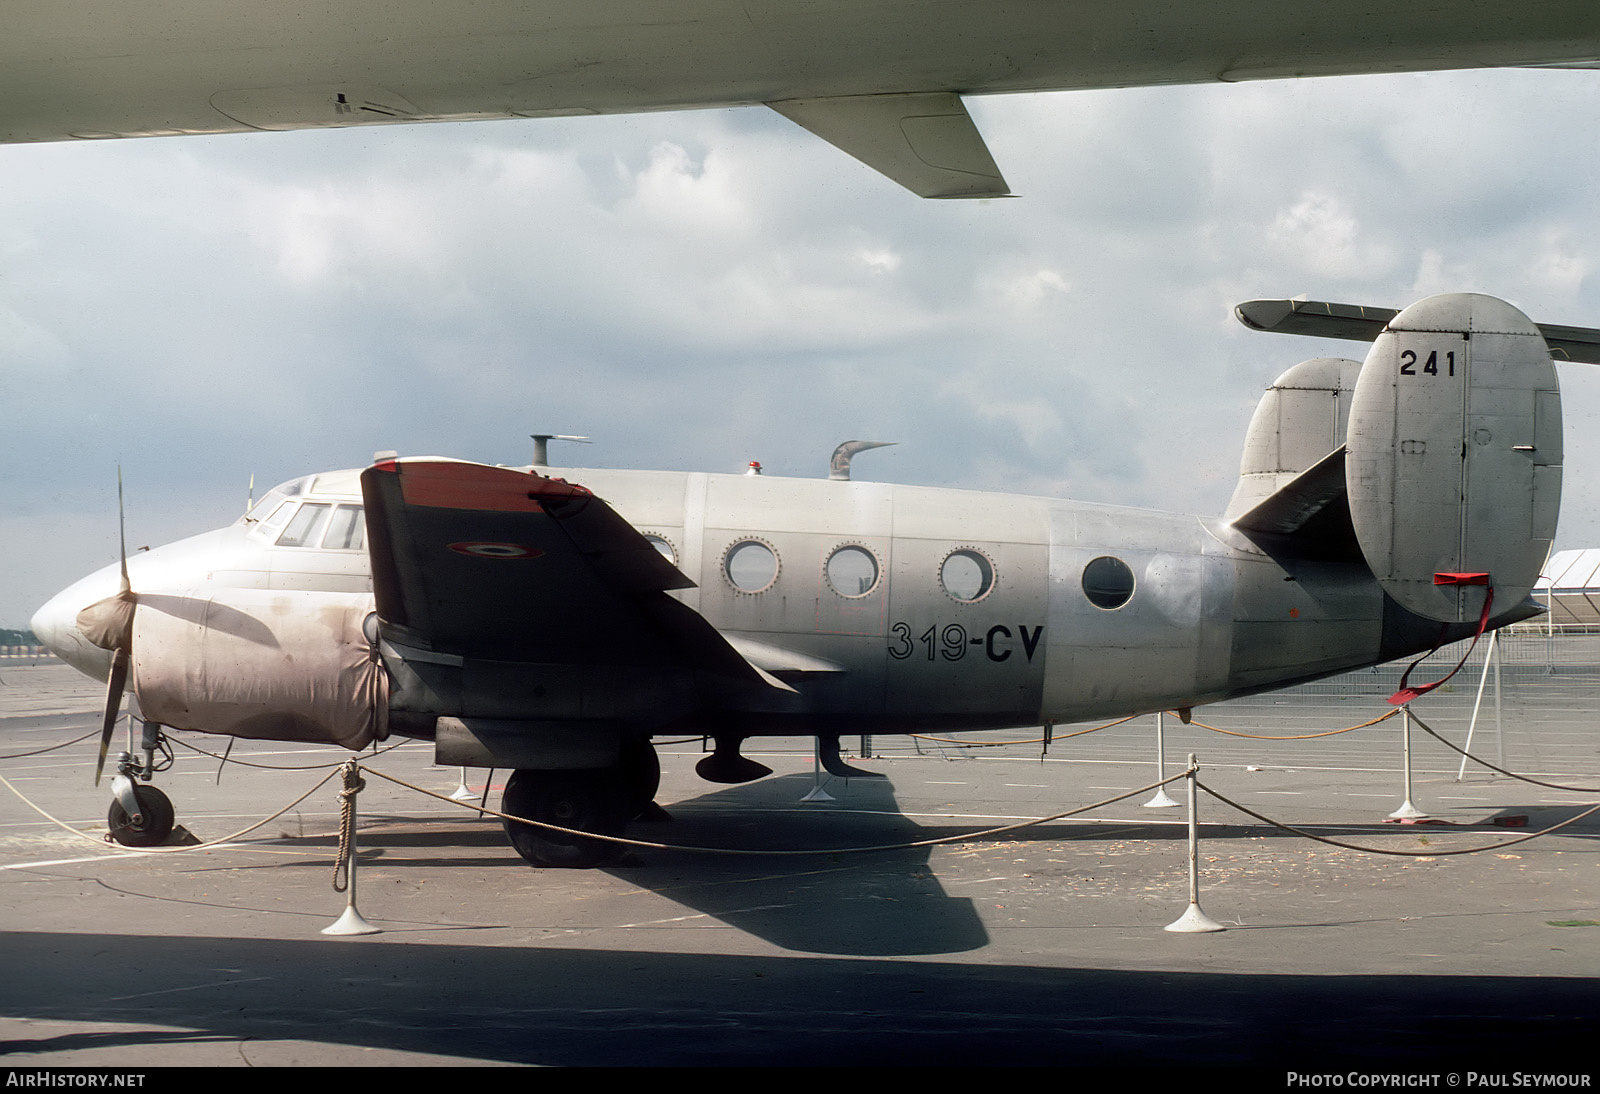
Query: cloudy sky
[{"x": 695, "y": 291}]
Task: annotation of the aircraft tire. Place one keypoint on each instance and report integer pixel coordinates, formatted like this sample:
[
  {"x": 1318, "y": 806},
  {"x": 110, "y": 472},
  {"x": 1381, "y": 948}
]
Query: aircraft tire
[
  {"x": 156, "y": 819},
  {"x": 593, "y": 800},
  {"x": 642, "y": 772}
]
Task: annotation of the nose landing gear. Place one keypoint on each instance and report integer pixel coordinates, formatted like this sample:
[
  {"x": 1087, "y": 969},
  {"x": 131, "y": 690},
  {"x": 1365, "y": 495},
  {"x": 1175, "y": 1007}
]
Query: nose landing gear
[
  {"x": 148, "y": 825},
  {"x": 140, "y": 814}
]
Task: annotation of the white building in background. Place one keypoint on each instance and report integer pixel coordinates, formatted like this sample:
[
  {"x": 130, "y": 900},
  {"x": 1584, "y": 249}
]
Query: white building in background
[{"x": 1571, "y": 588}]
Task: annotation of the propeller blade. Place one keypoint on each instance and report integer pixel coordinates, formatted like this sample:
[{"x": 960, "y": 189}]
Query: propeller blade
[
  {"x": 114, "y": 686},
  {"x": 108, "y": 623}
]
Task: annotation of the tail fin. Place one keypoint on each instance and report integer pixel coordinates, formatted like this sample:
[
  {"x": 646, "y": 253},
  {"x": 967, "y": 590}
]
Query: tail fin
[
  {"x": 1299, "y": 421},
  {"x": 1453, "y": 464},
  {"x": 1291, "y": 494}
]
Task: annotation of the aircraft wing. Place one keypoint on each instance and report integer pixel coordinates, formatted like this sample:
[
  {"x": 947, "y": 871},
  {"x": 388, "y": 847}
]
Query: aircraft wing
[
  {"x": 878, "y": 78},
  {"x": 927, "y": 143},
  {"x": 1320, "y": 319},
  {"x": 487, "y": 562}
]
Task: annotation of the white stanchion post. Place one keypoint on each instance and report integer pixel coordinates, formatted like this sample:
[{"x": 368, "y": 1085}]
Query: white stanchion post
[
  {"x": 351, "y": 922},
  {"x": 461, "y": 793},
  {"x": 1499, "y": 722},
  {"x": 817, "y": 794},
  {"x": 1162, "y": 799},
  {"x": 1477, "y": 704},
  {"x": 1193, "y": 920},
  {"x": 1407, "y": 811}
]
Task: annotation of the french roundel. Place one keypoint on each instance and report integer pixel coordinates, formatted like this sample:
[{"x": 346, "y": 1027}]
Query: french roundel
[{"x": 479, "y": 549}]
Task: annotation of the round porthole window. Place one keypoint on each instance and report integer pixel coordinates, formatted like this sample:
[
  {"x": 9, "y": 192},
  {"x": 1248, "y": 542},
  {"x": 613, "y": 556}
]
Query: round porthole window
[
  {"x": 852, "y": 571},
  {"x": 663, "y": 546},
  {"x": 966, "y": 575},
  {"x": 1107, "y": 582},
  {"x": 751, "y": 566}
]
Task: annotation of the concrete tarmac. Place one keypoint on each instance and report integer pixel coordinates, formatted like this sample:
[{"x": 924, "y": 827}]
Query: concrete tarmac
[{"x": 1039, "y": 946}]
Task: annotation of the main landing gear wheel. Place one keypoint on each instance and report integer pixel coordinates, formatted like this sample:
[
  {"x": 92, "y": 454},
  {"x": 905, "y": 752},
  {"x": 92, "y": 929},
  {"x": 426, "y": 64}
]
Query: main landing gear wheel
[
  {"x": 641, "y": 775},
  {"x": 594, "y": 800},
  {"x": 153, "y": 824}
]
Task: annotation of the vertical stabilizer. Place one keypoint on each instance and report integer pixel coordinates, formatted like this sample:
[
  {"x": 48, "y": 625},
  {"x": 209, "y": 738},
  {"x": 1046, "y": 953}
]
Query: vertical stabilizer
[
  {"x": 1454, "y": 456},
  {"x": 1300, "y": 420}
]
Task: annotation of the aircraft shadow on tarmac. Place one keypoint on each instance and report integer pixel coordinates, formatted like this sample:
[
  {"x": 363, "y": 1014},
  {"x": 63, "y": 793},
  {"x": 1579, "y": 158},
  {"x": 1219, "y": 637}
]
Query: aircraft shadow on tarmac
[
  {"x": 595, "y": 1006},
  {"x": 880, "y": 903},
  {"x": 883, "y": 903},
  {"x": 876, "y": 904}
]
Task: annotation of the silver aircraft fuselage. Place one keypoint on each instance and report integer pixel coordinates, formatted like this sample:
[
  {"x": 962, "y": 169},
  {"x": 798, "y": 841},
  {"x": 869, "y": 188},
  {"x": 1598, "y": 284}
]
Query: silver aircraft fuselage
[
  {"x": 957, "y": 608},
  {"x": 555, "y": 624}
]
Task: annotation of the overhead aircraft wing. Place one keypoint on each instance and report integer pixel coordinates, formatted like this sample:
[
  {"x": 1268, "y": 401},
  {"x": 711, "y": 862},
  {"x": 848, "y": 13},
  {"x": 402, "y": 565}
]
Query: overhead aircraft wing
[
  {"x": 925, "y": 142},
  {"x": 879, "y": 79},
  {"x": 1320, "y": 319},
  {"x": 487, "y": 562}
]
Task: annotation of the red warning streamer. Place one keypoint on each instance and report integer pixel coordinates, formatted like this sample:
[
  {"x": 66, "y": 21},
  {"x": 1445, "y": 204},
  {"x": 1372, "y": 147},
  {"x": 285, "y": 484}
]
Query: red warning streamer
[{"x": 1408, "y": 693}]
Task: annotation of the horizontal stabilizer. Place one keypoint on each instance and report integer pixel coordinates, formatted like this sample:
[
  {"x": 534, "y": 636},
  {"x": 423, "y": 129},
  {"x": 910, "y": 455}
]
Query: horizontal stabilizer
[
  {"x": 925, "y": 142},
  {"x": 1320, "y": 319},
  {"x": 1300, "y": 500}
]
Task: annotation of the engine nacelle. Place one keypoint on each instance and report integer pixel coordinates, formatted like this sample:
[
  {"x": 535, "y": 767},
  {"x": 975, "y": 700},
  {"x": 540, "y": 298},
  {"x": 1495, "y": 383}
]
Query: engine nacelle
[{"x": 281, "y": 665}]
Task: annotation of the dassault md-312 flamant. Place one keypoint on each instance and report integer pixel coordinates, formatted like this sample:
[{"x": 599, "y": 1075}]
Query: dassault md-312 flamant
[{"x": 553, "y": 627}]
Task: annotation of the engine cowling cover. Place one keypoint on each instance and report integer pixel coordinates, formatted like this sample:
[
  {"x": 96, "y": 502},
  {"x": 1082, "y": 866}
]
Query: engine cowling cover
[{"x": 275, "y": 665}]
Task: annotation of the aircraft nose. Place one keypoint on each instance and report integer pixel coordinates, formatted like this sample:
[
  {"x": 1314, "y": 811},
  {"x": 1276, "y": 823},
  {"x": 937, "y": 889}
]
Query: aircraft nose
[{"x": 56, "y": 625}]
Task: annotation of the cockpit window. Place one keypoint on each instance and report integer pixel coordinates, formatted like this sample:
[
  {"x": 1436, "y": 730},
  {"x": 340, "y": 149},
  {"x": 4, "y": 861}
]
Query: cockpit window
[
  {"x": 257, "y": 512},
  {"x": 275, "y": 518},
  {"x": 318, "y": 524},
  {"x": 347, "y": 530},
  {"x": 305, "y": 530}
]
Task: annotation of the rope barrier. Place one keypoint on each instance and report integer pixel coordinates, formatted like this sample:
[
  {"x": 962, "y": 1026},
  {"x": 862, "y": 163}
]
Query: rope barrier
[
  {"x": 51, "y": 748},
  {"x": 957, "y": 742},
  {"x": 1430, "y": 731},
  {"x": 1299, "y": 737},
  {"x": 1384, "y": 851},
  {"x": 352, "y": 770},
  {"x": 353, "y": 785},
  {"x": 401, "y": 743},
  {"x": 623, "y": 841},
  {"x": 167, "y": 850},
  {"x": 1030, "y": 741}
]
